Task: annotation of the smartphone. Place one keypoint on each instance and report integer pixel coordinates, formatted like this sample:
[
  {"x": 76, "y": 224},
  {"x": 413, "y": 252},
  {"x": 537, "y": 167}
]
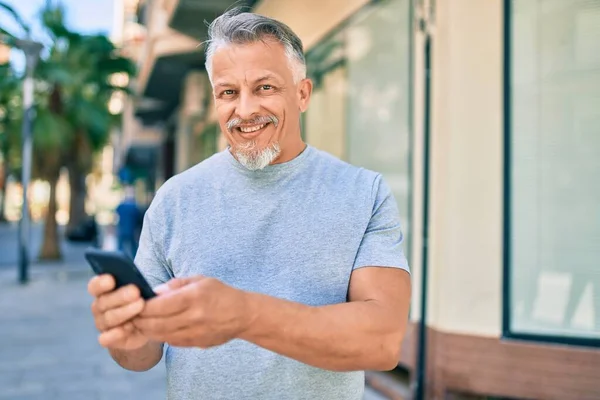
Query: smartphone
[{"x": 121, "y": 267}]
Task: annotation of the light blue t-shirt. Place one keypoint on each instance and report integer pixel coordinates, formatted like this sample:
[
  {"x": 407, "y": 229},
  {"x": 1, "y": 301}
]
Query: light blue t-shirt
[{"x": 295, "y": 231}]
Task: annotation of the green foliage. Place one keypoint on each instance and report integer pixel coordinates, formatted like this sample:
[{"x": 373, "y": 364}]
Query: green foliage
[
  {"x": 74, "y": 84},
  {"x": 51, "y": 132},
  {"x": 10, "y": 87},
  {"x": 82, "y": 67}
]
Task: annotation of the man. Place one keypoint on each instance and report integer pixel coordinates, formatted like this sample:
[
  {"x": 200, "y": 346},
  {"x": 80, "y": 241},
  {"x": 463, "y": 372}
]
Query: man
[
  {"x": 130, "y": 218},
  {"x": 279, "y": 268}
]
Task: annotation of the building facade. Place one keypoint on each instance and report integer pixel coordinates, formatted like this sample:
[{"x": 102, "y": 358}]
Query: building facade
[{"x": 484, "y": 117}]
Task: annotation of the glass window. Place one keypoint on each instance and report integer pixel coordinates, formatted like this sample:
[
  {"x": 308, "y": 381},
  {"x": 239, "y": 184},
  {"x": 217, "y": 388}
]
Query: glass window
[
  {"x": 555, "y": 168},
  {"x": 360, "y": 105}
]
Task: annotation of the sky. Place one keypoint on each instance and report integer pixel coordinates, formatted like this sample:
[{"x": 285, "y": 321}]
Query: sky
[{"x": 85, "y": 16}]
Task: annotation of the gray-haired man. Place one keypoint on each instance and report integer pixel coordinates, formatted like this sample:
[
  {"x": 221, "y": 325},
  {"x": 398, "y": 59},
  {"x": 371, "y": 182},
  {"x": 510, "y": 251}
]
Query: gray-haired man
[{"x": 280, "y": 268}]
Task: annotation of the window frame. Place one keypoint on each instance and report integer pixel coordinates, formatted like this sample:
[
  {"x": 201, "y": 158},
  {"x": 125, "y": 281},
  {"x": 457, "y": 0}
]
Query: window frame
[{"x": 507, "y": 331}]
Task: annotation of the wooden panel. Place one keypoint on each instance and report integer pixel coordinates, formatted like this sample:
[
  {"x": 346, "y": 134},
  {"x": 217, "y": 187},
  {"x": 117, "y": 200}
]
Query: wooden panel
[
  {"x": 495, "y": 367},
  {"x": 518, "y": 369}
]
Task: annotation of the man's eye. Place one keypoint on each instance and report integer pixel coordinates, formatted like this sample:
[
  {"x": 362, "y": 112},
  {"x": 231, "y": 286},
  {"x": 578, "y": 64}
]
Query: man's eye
[
  {"x": 228, "y": 92},
  {"x": 266, "y": 87}
]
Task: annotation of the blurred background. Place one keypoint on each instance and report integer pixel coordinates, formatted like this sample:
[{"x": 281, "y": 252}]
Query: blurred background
[{"x": 483, "y": 116}]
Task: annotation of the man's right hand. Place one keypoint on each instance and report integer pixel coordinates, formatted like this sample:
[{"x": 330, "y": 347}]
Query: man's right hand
[{"x": 113, "y": 311}]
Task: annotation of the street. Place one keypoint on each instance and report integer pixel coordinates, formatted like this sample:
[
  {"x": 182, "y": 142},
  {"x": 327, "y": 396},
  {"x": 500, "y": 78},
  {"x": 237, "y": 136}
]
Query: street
[{"x": 48, "y": 346}]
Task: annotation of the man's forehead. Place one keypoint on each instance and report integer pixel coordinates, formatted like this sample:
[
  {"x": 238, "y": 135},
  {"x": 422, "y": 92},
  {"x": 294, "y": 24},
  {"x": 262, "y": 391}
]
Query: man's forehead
[
  {"x": 249, "y": 76},
  {"x": 250, "y": 62}
]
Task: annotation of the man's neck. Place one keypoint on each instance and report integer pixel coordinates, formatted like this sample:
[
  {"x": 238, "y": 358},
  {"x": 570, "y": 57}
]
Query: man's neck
[{"x": 291, "y": 151}]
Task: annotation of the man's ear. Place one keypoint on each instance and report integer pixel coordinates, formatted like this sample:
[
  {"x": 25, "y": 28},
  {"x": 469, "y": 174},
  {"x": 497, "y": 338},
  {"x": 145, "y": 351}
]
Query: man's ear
[{"x": 304, "y": 93}]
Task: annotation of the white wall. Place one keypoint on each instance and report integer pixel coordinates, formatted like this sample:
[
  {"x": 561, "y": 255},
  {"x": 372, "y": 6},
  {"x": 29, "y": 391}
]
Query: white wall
[
  {"x": 326, "y": 121},
  {"x": 466, "y": 171}
]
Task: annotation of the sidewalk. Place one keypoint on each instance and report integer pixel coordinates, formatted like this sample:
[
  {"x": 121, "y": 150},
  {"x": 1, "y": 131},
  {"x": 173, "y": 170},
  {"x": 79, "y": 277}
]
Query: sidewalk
[
  {"x": 48, "y": 342},
  {"x": 48, "y": 346}
]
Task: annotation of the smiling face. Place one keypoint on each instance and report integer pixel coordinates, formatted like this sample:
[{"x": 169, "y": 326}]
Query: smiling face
[{"x": 258, "y": 103}]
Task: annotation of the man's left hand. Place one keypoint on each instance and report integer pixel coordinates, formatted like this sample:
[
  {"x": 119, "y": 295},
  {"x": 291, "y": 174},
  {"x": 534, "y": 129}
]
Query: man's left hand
[{"x": 195, "y": 312}]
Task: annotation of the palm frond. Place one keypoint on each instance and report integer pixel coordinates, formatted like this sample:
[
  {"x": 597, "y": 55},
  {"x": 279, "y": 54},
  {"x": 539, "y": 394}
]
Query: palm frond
[
  {"x": 51, "y": 132},
  {"x": 15, "y": 16}
]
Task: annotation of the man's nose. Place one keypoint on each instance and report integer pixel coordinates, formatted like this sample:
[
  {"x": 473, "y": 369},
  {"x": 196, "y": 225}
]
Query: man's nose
[{"x": 248, "y": 106}]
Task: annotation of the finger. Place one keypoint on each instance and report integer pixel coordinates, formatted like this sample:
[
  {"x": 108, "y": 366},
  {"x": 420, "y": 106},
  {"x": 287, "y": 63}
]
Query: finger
[
  {"x": 152, "y": 334},
  {"x": 165, "y": 325},
  {"x": 160, "y": 289},
  {"x": 120, "y": 297},
  {"x": 169, "y": 303},
  {"x": 129, "y": 327},
  {"x": 101, "y": 284},
  {"x": 118, "y": 316},
  {"x": 113, "y": 337},
  {"x": 176, "y": 283},
  {"x": 166, "y": 335}
]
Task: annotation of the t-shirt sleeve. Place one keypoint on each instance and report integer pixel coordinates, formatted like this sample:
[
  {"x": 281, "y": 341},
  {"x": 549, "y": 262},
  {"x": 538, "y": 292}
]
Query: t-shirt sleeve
[
  {"x": 383, "y": 241},
  {"x": 150, "y": 258}
]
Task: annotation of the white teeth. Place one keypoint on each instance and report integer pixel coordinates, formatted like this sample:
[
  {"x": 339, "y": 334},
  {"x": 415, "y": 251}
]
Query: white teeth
[{"x": 252, "y": 128}]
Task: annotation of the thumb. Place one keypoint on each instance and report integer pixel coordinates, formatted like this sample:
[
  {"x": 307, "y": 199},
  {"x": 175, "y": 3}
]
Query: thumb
[{"x": 176, "y": 283}]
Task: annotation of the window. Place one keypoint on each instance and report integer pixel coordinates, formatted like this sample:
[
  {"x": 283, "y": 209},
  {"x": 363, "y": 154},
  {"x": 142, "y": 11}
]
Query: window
[
  {"x": 361, "y": 101},
  {"x": 553, "y": 144}
]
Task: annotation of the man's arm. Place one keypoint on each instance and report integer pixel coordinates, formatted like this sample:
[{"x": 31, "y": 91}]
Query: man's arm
[{"x": 363, "y": 334}]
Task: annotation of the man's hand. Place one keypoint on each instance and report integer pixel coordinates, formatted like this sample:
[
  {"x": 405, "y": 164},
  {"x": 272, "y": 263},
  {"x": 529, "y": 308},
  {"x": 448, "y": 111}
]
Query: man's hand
[
  {"x": 113, "y": 312},
  {"x": 195, "y": 312}
]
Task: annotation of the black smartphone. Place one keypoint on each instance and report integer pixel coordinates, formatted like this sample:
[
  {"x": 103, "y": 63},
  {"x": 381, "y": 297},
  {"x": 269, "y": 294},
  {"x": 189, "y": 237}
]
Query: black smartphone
[{"x": 121, "y": 267}]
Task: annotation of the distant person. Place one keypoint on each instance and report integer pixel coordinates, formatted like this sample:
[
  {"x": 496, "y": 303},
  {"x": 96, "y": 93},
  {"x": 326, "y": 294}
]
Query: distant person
[
  {"x": 281, "y": 267},
  {"x": 130, "y": 218}
]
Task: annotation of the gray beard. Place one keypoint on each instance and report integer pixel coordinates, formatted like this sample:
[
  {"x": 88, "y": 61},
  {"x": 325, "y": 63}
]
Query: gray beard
[{"x": 253, "y": 159}]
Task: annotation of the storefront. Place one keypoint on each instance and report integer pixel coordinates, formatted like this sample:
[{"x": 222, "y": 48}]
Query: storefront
[
  {"x": 511, "y": 124},
  {"x": 483, "y": 116}
]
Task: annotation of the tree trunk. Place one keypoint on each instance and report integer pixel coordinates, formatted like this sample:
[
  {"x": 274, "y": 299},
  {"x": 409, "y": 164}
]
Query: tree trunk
[
  {"x": 77, "y": 213},
  {"x": 51, "y": 246},
  {"x": 78, "y": 167},
  {"x": 4, "y": 184}
]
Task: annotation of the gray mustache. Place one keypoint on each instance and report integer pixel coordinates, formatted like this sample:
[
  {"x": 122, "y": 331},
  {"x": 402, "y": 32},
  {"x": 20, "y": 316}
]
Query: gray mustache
[{"x": 234, "y": 123}]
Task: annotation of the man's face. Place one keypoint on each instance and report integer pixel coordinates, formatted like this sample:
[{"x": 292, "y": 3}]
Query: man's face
[{"x": 257, "y": 102}]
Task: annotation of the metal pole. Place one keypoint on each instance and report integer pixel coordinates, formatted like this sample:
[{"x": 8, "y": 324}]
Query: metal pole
[
  {"x": 421, "y": 369},
  {"x": 32, "y": 51}
]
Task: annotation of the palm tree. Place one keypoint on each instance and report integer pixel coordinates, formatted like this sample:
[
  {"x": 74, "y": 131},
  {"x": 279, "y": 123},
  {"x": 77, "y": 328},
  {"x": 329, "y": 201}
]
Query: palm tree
[
  {"x": 9, "y": 101},
  {"x": 73, "y": 121},
  {"x": 50, "y": 133},
  {"x": 81, "y": 74}
]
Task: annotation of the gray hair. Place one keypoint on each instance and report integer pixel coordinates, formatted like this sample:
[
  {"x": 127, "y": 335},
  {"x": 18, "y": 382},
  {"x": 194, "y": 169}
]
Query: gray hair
[{"x": 237, "y": 27}]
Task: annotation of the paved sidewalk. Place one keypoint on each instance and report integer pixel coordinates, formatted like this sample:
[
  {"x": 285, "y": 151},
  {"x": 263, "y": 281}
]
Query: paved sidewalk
[{"x": 48, "y": 347}]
